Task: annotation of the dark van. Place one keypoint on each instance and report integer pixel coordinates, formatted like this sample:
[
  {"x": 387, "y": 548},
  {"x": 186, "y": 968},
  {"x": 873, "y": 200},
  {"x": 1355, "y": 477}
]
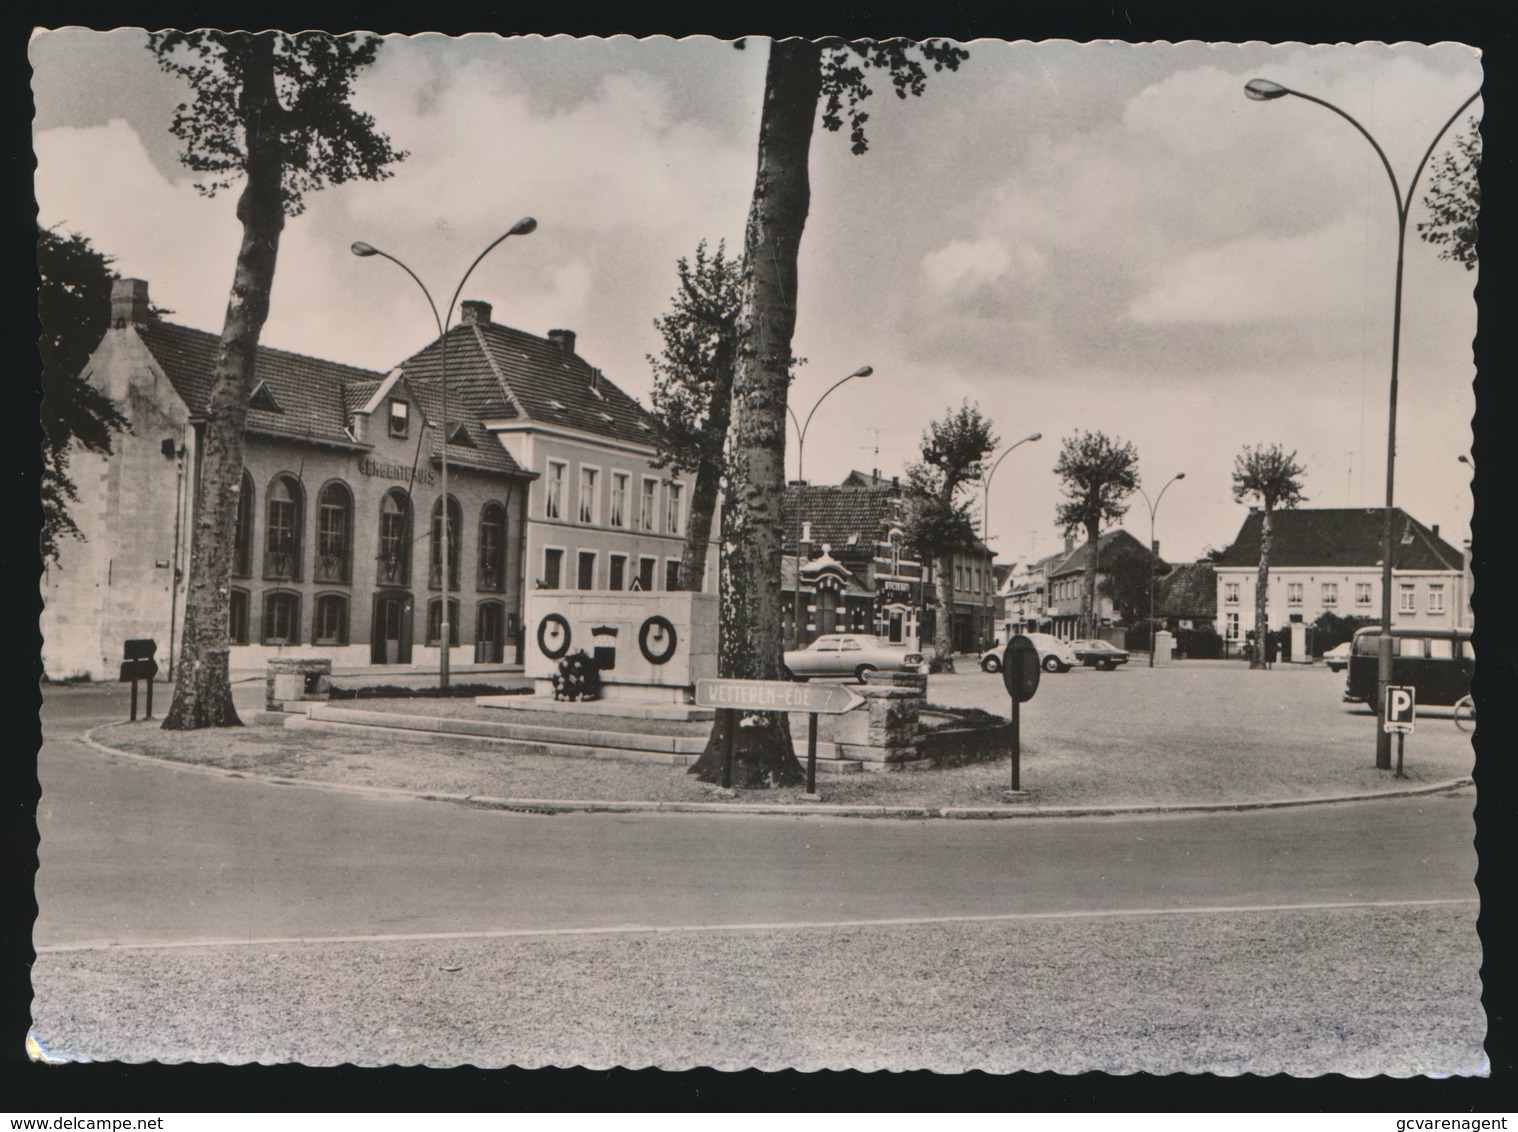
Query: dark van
[{"x": 1437, "y": 662}]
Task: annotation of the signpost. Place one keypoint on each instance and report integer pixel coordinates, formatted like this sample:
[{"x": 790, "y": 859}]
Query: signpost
[
  {"x": 1020, "y": 671},
  {"x": 137, "y": 663},
  {"x": 1401, "y": 710},
  {"x": 776, "y": 695}
]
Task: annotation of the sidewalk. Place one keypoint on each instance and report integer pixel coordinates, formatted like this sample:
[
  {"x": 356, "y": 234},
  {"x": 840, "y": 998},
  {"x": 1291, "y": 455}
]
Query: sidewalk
[{"x": 1063, "y": 776}]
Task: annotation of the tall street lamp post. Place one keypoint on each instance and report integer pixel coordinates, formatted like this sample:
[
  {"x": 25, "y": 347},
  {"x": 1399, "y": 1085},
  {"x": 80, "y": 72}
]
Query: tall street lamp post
[
  {"x": 985, "y": 503},
  {"x": 521, "y": 228},
  {"x": 801, "y": 427},
  {"x": 1263, "y": 90},
  {"x": 1153, "y": 553}
]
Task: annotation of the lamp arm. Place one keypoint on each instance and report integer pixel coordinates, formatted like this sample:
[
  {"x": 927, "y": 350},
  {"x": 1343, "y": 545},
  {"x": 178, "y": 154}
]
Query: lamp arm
[
  {"x": 820, "y": 400},
  {"x": 800, "y": 432},
  {"x": 1161, "y": 495},
  {"x": 460, "y": 288},
  {"x": 1385, "y": 164},
  {"x": 417, "y": 280},
  {"x": 1429, "y": 152}
]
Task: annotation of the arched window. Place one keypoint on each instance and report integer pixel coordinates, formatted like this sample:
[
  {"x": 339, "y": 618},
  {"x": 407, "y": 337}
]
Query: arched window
[
  {"x": 455, "y": 523},
  {"x": 435, "y": 621},
  {"x": 242, "y": 531},
  {"x": 493, "y": 548},
  {"x": 330, "y": 625},
  {"x": 282, "y": 539},
  {"x": 394, "y": 567},
  {"x": 334, "y": 534},
  {"x": 281, "y": 618},
  {"x": 237, "y": 615}
]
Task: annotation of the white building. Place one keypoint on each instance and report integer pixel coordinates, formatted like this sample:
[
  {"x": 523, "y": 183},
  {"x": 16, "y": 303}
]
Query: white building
[{"x": 1328, "y": 560}]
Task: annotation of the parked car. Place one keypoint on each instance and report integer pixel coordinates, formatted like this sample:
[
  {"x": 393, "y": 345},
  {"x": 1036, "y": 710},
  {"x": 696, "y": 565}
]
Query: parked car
[
  {"x": 1337, "y": 658},
  {"x": 1099, "y": 654},
  {"x": 1054, "y": 654},
  {"x": 1437, "y": 662},
  {"x": 850, "y": 654}
]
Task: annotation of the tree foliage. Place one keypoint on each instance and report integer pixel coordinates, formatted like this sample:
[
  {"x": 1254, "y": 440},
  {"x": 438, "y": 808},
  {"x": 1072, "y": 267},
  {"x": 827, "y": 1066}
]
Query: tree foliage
[
  {"x": 693, "y": 387},
  {"x": 271, "y": 109},
  {"x": 845, "y": 65},
  {"x": 954, "y": 452},
  {"x": 1127, "y": 572},
  {"x": 938, "y": 523},
  {"x": 322, "y": 140},
  {"x": 1454, "y": 199},
  {"x": 1269, "y": 475},
  {"x": 1098, "y": 473},
  {"x": 74, "y": 307}
]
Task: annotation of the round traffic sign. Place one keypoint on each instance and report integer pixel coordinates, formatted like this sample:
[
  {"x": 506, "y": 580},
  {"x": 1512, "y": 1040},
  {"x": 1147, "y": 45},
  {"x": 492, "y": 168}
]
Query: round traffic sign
[{"x": 1020, "y": 668}]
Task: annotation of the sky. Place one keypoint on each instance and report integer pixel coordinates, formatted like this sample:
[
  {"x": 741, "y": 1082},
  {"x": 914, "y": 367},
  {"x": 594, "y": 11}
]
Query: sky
[{"x": 1073, "y": 237}]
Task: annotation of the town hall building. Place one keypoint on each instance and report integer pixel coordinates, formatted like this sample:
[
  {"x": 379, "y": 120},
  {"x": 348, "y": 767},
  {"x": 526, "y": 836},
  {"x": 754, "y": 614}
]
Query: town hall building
[{"x": 338, "y": 547}]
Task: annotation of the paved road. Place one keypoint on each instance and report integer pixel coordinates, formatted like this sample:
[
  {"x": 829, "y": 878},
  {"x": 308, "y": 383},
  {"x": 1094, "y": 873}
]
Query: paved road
[{"x": 143, "y": 853}]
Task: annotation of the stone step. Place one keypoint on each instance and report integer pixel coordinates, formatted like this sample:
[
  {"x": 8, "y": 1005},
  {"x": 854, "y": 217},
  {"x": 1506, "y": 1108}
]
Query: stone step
[
  {"x": 627, "y": 753},
  {"x": 678, "y": 750}
]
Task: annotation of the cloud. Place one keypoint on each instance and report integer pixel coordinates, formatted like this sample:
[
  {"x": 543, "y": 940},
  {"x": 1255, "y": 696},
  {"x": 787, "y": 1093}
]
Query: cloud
[
  {"x": 965, "y": 264},
  {"x": 1329, "y": 273}
]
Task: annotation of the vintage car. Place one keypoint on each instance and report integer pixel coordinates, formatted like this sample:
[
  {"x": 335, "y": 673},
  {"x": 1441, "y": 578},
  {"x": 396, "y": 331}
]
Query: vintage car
[
  {"x": 1054, "y": 654},
  {"x": 1437, "y": 662},
  {"x": 850, "y": 654},
  {"x": 1337, "y": 658},
  {"x": 1099, "y": 654}
]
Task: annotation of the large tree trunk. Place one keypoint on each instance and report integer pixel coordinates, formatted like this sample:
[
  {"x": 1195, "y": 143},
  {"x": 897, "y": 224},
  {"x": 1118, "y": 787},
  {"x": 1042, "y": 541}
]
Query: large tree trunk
[
  {"x": 943, "y": 611},
  {"x": 752, "y": 526},
  {"x": 1088, "y": 592},
  {"x": 202, "y": 688},
  {"x": 703, "y": 502},
  {"x": 1258, "y": 657}
]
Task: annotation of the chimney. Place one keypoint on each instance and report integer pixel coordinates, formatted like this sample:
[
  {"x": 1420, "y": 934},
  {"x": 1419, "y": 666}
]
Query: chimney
[
  {"x": 805, "y": 547},
  {"x": 595, "y": 378},
  {"x": 565, "y": 340},
  {"x": 1435, "y": 530},
  {"x": 1069, "y": 544},
  {"x": 474, "y": 312},
  {"x": 129, "y": 303}
]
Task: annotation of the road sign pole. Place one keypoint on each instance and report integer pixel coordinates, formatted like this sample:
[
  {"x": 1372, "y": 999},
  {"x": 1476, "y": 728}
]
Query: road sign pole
[
  {"x": 1401, "y": 738},
  {"x": 811, "y": 753},
  {"x": 134, "y": 703},
  {"x": 150, "y": 697},
  {"x": 1017, "y": 743},
  {"x": 727, "y": 749}
]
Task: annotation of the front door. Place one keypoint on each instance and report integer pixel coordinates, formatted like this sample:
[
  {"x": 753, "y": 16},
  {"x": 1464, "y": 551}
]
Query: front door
[
  {"x": 894, "y": 631},
  {"x": 488, "y": 633},
  {"x": 391, "y": 642}
]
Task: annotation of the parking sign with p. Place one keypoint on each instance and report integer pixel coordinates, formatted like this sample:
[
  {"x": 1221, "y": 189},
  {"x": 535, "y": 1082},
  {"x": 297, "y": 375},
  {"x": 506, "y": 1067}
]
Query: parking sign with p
[{"x": 1401, "y": 706}]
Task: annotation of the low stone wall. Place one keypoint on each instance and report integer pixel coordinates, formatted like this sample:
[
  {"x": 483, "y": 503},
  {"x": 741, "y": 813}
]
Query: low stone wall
[
  {"x": 292, "y": 680},
  {"x": 956, "y": 746},
  {"x": 886, "y": 732}
]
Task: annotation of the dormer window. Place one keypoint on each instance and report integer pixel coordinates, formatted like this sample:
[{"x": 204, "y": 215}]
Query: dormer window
[
  {"x": 262, "y": 397},
  {"x": 400, "y": 418}
]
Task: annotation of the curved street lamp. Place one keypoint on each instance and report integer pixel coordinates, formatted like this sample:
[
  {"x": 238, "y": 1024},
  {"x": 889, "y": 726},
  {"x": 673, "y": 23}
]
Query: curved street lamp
[
  {"x": 985, "y": 503},
  {"x": 862, "y": 371},
  {"x": 521, "y": 228},
  {"x": 1153, "y": 509},
  {"x": 1264, "y": 90}
]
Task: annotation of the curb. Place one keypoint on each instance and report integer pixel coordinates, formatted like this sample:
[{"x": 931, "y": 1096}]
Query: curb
[{"x": 777, "y": 809}]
